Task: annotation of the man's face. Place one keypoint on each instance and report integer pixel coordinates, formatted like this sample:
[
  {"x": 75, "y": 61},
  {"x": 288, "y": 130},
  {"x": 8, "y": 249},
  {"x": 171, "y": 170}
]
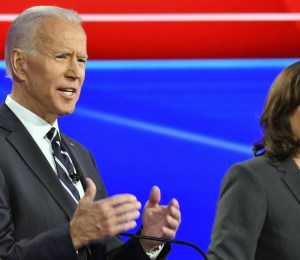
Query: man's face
[{"x": 55, "y": 71}]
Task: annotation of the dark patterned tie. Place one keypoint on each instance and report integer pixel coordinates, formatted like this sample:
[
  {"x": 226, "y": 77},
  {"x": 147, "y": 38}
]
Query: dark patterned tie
[{"x": 64, "y": 166}]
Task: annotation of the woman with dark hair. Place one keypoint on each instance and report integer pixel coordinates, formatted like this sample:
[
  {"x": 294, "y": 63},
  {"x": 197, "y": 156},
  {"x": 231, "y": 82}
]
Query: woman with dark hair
[{"x": 258, "y": 212}]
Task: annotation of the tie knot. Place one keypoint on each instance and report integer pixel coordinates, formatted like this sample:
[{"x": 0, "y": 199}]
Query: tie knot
[{"x": 53, "y": 135}]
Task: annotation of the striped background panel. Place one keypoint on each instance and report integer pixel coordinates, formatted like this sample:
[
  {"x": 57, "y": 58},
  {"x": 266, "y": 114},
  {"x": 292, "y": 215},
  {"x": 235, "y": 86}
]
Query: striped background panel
[{"x": 181, "y": 29}]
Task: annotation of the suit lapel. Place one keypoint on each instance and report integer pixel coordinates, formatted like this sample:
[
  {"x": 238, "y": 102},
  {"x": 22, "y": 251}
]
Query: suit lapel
[
  {"x": 35, "y": 160},
  {"x": 291, "y": 176}
]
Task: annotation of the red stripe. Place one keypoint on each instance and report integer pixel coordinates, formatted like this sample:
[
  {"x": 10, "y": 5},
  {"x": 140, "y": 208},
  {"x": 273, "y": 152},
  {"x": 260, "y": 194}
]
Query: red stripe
[
  {"x": 188, "y": 40},
  {"x": 159, "y": 6},
  {"x": 163, "y": 40}
]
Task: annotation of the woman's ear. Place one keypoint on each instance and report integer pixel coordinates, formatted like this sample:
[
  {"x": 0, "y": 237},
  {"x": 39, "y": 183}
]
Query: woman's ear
[{"x": 18, "y": 60}]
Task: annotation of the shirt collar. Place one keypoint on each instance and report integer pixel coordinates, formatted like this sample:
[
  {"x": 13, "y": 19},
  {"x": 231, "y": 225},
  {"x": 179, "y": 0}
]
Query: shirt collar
[{"x": 34, "y": 124}]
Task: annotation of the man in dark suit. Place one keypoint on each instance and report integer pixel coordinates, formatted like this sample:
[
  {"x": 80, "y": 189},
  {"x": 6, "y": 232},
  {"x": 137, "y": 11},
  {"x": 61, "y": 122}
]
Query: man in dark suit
[
  {"x": 46, "y": 214},
  {"x": 258, "y": 211}
]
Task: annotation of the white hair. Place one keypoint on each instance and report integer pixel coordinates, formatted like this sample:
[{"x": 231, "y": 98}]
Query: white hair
[{"x": 21, "y": 33}]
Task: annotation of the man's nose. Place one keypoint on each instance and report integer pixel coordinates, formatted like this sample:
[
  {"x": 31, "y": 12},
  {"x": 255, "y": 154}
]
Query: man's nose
[{"x": 75, "y": 70}]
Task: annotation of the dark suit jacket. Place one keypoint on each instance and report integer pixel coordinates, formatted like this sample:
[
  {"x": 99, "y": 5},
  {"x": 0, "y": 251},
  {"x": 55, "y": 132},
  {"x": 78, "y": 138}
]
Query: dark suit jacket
[
  {"x": 258, "y": 213},
  {"x": 35, "y": 209}
]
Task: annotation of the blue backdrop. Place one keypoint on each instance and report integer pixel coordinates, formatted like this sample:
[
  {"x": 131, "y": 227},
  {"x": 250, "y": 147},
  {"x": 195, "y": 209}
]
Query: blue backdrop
[{"x": 178, "y": 124}]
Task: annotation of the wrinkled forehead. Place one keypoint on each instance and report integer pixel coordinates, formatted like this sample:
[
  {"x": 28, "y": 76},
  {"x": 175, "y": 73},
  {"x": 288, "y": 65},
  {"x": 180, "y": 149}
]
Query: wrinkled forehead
[{"x": 58, "y": 33}]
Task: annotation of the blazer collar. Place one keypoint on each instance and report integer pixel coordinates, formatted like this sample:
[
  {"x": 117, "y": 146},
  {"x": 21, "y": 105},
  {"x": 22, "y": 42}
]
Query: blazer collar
[
  {"x": 291, "y": 176},
  {"x": 36, "y": 161}
]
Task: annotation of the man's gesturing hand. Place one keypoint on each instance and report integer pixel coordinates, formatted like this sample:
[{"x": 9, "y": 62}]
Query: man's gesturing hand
[
  {"x": 159, "y": 220},
  {"x": 95, "y": 221}
]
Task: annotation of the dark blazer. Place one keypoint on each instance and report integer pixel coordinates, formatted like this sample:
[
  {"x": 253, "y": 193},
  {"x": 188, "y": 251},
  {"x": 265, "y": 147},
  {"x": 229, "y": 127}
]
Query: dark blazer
[
  {"x": 258, "y": 213},
  {"x": 35, "y": 210}
]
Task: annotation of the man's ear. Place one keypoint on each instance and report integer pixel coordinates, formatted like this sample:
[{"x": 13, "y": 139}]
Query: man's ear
[{"x": 18, "y": 60}]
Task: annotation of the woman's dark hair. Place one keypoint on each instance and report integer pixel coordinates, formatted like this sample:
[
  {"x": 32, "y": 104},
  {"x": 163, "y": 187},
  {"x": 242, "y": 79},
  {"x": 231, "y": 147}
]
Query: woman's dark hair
[{"x": 278, "y": 142}]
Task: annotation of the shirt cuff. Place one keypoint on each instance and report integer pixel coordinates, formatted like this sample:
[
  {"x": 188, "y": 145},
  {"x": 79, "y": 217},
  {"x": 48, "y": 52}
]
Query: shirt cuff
[{"x": 153, "y": 255}]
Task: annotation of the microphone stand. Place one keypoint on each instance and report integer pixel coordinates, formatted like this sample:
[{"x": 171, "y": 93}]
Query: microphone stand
[{"x": 180, "y": 242}]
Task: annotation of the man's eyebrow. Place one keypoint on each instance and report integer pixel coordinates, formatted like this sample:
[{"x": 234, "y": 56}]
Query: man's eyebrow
[
  {"x": 83, "y": 56},
  {"x": 63, "y": 53}
]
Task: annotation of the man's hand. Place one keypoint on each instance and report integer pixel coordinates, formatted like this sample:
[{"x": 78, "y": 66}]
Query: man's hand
[
  {"x": 159, "y": 221},
  {"x": 96, "y": 221}
]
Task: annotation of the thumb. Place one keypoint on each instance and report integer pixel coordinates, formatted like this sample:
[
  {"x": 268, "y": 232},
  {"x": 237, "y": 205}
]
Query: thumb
[
  {"x": 90, "y": 192},
  {"x": 154, "y": 196}
]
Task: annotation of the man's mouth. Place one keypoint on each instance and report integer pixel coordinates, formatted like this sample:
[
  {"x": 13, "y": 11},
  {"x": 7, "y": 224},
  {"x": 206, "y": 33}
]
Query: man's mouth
[{"x": 68, "y": 91}]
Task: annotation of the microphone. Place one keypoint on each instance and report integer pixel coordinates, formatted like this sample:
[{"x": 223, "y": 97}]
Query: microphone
[
  {"x": 180, "y": 242},
  {"x": 75, "y": 176}
]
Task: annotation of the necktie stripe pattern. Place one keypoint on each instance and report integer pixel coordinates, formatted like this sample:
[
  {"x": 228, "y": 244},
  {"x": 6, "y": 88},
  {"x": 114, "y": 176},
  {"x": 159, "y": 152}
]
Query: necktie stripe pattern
[{"x": 63, "y": 163}]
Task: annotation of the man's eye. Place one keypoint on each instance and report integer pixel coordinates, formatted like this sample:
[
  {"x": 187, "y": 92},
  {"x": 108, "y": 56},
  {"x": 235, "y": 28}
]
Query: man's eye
[
  {"x": 61, "y": 57},
  {"x": 83, "y": 61}
]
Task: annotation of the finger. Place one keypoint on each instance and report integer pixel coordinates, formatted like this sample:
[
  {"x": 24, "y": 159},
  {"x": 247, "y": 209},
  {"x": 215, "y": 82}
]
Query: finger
[
  {"x": 120, "y": 199},
  {"x": 90, "y": 192},
  {"x": 172, "y": 223},
  {"x": 173, "y": 218},
  {"x": 168, "y": 233},
  {"x": 175, "y": 203},
  {"x": 113, "y": 207},
  {"x": 125, "y": 226},
  {"x": 127, "y": 207},
  {"x": 174, "y": 211},
  {"x": 154, "y": 196},
  {"x": 128, "y": 217}
]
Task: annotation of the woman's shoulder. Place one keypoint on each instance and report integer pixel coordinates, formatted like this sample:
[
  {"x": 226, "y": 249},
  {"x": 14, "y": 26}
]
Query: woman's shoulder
[
  {"x": 258, "y": 167},
  {"x": 259, "y": 161}
]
